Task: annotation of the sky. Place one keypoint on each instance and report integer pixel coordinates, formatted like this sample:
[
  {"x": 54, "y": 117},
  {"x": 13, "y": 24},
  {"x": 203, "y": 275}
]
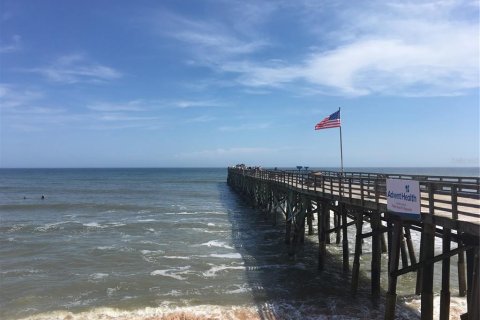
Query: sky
[{"x": 214, "y": 83}]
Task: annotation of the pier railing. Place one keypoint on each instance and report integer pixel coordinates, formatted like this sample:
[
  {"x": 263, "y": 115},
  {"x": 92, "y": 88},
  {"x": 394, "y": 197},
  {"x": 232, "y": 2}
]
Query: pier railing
[{"x": 455, "y": 198}]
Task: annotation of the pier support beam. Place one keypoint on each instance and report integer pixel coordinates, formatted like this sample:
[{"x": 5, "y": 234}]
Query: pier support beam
[
  {"x": 418, "y": 286},
  {"x": 337, "y": 224},
  {"x": 403, "y": 252},
  {"x": 310, "y": 217},
  {"x": 346, "y": 253},
  {"x": 411, "y": 251},
  {"x": 462, "y": 282},
  {"x": 289, "y": 217},
  {"x": 427, "y": 274},
  {"x": 322, "y": 228},
  {"x": 473, "y": 282},
  {"x": 391, "y": 298},
  {"x": 327, "y": 224},
  {"x": 376, "y": 264},
  {"x": 358, "y": 252},
  {"x": 445, "y": 293}
]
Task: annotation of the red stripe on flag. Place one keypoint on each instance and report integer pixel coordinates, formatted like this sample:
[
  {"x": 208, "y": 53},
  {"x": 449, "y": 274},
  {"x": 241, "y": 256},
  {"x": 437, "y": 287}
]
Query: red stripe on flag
[
  {"x": 327, "y": 124},
  {"x": 332, "y": 121}
]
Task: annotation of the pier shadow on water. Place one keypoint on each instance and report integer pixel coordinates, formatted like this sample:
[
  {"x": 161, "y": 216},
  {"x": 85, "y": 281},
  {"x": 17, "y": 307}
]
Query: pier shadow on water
[{"x": 283, "y": 286}]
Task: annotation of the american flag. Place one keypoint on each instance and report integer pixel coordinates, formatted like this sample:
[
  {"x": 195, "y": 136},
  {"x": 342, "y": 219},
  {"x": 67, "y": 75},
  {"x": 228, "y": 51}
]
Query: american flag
[{"x": 332, "y": 121}]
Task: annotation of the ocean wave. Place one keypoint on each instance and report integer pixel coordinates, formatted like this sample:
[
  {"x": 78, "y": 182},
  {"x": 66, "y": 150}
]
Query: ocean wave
[
  {"x": 177, "y": 257},
  {"x": 212, "y": 272},
  {"x": 281, "y": 309},
  {"x": 184, "y": 213},
  {"x": 175, "y": 273},
  {"x": 111, "y": 291},
  {"x": 226, "y": 255},
  {"x": 106, "y": 248},
  {"x": 215, "y": 212},
  {"x": 239, "y": 289},
  {"x": 458, "y": 305},
  {"x": 149, "y": 252},
  {"x": 71, "y": 225},
  {"x": 201, "y": 312},
  {"x": 19, "y": 272},
  {"x": 98, "y": 276},
  {"x": 202, "y": 230},
  {"x": 16, "y": 227},
  {"x": 55, "y": 226},
  {"x": 215, "y": 243}
]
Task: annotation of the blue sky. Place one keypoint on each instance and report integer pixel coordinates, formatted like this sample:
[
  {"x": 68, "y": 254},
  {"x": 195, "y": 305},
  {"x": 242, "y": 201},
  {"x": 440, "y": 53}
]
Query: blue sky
[{"x": 215, "y": 83}]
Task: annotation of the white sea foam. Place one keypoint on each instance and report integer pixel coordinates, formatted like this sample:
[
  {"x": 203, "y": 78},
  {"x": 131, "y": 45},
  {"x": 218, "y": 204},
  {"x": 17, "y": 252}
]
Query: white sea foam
[
  {"x": 19, "y": 272},
  {"x": 164, "y": 311},
  {"x": 92, "y": 225},
  {"x": 157, "y": 252},
  {"x": 98, "y": 276},
  {"x": 177, "y": 257},
  {"x": 458, "y": 306},
  {"x": 167, "y": 310},
  {"x": 216, "y": 212},
  {"x": 105, "y": 248},
  {"x": 239, "y": 289},
  {"x": 111, "y": 291},
  {"x": 117, "y": 224},
  {"x": 52, "y": 226},
  {"x": 174, "y": 293},
  {"x": 226, "y": 255},
  {"x": 147, "y": 220},
  {"x": 211, "y": 224},
  {"x": 212, "y": 272},
  {"x": 175, "y": 273},
  {"x": 16, "y": 227},
  {"x": 216, "y": 243},
  {"x": 203, "y": 230}
]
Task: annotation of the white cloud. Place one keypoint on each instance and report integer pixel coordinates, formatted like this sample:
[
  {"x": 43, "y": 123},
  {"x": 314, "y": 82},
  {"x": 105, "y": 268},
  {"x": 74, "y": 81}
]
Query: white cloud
[
  {"x": 12, "y": 46},
  {"x": 12, "y": 97},
  {"x": 76, "y": 69},
  {"x": 413, "y": 48},
  {"x": 246, "y": 127},
  {"x": 225, "y": 152},
  {"x": 121, "y": 117},
  {"x": 135, "y": 105},
  {"x": 210, "y": 40},
  {"x": 201, "y": 119},
  {"x": 196, "y": 103}
]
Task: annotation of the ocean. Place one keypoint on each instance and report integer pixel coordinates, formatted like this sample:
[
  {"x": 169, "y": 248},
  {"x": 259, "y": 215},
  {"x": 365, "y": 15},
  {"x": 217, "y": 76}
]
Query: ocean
[{"x": 168, "y": 244}]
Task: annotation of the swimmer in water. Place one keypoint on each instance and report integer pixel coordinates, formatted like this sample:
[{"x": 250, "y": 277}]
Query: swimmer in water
[{"x": 43, "y": 197}]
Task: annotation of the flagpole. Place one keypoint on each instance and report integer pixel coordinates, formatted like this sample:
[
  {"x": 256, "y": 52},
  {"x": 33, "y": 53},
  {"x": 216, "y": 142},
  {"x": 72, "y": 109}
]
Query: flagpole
[{"x": 341, "y": 145}]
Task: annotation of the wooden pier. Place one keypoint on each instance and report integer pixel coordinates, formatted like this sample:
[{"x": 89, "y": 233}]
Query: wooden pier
[{"x": 450, "y": 211}]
